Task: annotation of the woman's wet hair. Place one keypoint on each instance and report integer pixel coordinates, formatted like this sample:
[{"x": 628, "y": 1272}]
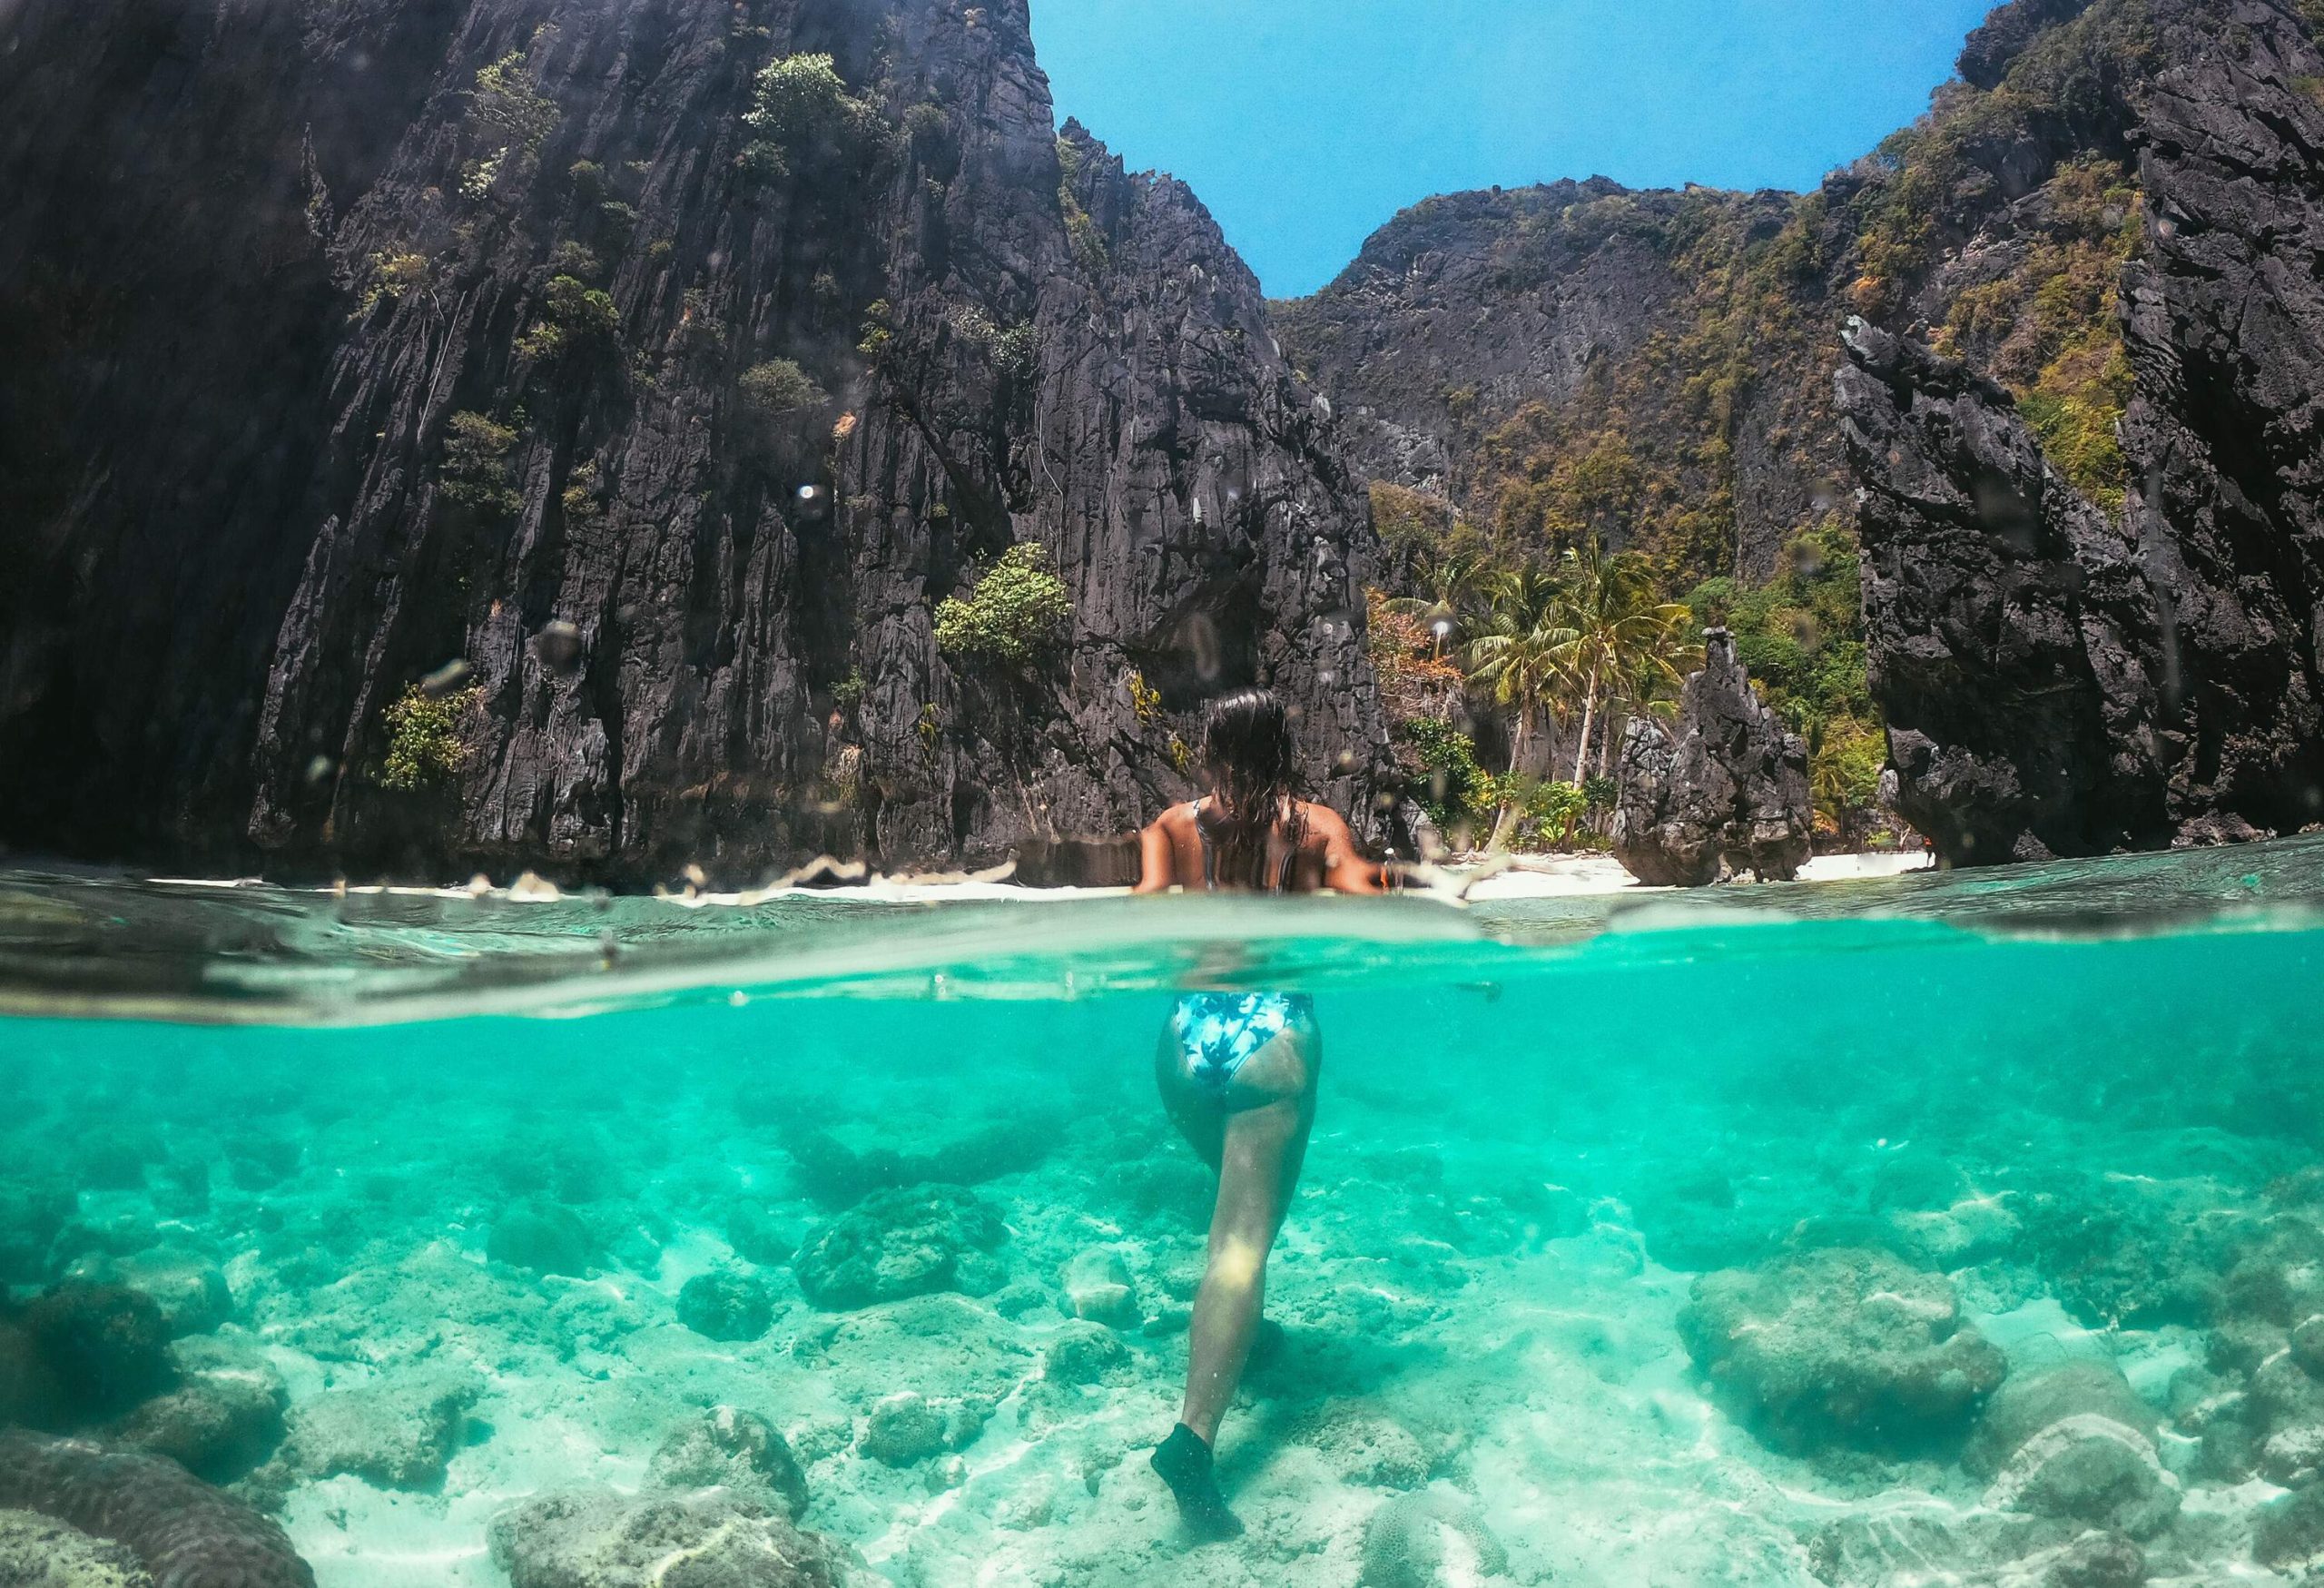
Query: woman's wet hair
[{"x": 1248, "y": 752}]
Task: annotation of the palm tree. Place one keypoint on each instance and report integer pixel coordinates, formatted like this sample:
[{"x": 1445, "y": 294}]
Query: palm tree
[
  {"x": 1656, "y": 654},
  {"x": 1520, "y": 655},
  {"x": 1622, "y": 645},
  {"x": 1449, "y": 584}
]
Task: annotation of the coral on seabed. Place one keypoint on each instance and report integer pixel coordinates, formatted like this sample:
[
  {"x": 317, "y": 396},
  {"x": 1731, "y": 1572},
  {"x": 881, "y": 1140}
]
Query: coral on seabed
[{"x": 182, "y": 1530}]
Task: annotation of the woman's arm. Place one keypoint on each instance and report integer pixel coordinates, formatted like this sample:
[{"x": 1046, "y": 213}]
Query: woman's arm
[
  {"x": 1156, "y": 864},
  {"x": 1346, "y": 871}
]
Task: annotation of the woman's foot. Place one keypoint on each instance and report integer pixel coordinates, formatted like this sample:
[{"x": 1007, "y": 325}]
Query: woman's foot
[{"x": 1184, "y": 1462}]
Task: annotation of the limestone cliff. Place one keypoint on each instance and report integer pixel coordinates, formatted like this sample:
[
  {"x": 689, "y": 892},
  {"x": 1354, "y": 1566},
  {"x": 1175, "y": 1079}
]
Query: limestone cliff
[{"x": 667, "y": 395}]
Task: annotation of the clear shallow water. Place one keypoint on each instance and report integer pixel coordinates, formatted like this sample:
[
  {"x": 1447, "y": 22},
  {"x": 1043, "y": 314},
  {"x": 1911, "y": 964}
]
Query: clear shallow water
[{"x": 1942, "y": 1138}]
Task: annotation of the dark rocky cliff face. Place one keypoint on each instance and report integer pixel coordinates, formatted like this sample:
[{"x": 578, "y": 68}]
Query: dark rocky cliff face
[
  {"x": 2063, "y": 679},
  {"x": 344, "y": 339}
]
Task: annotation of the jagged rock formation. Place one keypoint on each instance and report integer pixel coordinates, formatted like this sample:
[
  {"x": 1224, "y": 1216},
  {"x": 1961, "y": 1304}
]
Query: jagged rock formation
[
  {"x": 181, "y": 1530},
  {"x": 2002, "y": 605},
  {"x": 1726, "y": 783},
  {"x": 2061, "y": 679},
  {"x": 340, "y": 344}
]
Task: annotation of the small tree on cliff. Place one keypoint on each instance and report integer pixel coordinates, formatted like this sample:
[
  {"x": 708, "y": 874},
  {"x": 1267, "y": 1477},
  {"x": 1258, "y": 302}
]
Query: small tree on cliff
[{"x": 1018, "y": 612}]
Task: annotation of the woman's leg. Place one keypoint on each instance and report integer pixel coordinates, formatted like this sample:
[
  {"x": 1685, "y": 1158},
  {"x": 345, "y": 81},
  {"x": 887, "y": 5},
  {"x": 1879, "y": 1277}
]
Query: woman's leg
[
  {"x": 1255, "y": 1137},
  {"x": 1259, "y": 1166}
]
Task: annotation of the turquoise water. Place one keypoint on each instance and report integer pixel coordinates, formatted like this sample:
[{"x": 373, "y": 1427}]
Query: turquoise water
[{"x": 1943, "y": 1229}]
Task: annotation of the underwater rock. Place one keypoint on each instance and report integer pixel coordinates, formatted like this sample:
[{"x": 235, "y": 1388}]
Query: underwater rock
[
  {"x": 261, "y": 1160},
  {"x": 1083, "y": 1353},
  {"x": 224, "y": 1417},
  {"x": 544, "y": 1237},
  {"x": 2091, "y": 1469},
  {"x": 2028, "y": 1403},
  {"x": 2099, "y": 1559},
  {"x": 2136, "y": 1251},
  {"x": 1840, "y": 1347},
  {"x": 903, "y": 1243},
  {"x": 32, "y": 1215},
  {"x": 106, "y": 1346},
  {"x": 902, "y": 1429},
  {"x": 827, "y": 1170},
  {"x": 1726, "y": 783},
  {"x": 2293, "y": 1457},
  {"x": 185, "y": 1533},
  {"x": 1169, "y": 1186},
  {"x": 725, "y": 1304},
  {"x": 397, "y": 1433},
  {"x": 1433, "y": 1538},
  {"x": 2290, "y": 1532},
  {"x": 600, "y": 1539},
  {"x": 38, "y": 1552},
  {"x": 2279, "y": 1280},
  {"x": 31, "y": 1396},
  {"x": 115, "y": 1159},
  {"x": 727, "y": 1448},
  {"x": 2306, "y": 1346},
  {"x": 1098, "y": 1287},
  {"x": 190, "y": 1291},
  {"x": 757, "y": 1235}
]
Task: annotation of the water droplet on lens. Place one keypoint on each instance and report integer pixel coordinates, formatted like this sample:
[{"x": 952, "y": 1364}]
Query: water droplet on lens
[
  {"x": 320, "y": 767},
  {"x": 445, "y": 678},
  {"x": 1202, "y": 642},
  {"x": 558, "y": 645},
  {"x": 807, "y": 493}
]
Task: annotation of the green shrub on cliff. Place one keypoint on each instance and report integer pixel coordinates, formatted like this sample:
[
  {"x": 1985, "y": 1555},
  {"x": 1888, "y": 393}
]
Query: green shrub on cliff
[
  {"x": 800, "y": 106},
  {"x": 1018, "y": 612},
  {"x": 1453, "y": 788},
  {"x": 475, "y": 463},
  {"x": 573, "y": 314},
  {"x": 1801, "y": 638},
  {"x": 427, "y": 738},
  {"x": 1082, "y": 233},
  {"x": 778, "y": 388},
  {"x": 507, "y": 97}
]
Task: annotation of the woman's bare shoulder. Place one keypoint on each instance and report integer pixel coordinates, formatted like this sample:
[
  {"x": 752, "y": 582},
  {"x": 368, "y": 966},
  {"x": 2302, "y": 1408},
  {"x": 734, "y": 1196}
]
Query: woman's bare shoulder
[
  {"x": 1174, "y": 819},
  {"x": 1322, "y": 824}
]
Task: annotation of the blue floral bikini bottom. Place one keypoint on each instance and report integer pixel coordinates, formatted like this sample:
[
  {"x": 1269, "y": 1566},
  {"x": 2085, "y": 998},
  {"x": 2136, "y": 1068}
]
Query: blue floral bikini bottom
[{"x": 1215, "y": 1032}]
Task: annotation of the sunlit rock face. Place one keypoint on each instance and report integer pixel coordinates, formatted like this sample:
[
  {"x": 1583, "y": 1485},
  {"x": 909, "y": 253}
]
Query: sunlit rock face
[{"x": 337, "y": 345}]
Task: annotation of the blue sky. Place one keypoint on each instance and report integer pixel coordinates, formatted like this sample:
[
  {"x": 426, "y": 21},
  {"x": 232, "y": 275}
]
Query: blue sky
[{"x": 1306, "y": 124}]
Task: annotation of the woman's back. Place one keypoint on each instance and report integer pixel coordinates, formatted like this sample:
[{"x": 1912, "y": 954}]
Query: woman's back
[{"x": 1307, "y": 847}]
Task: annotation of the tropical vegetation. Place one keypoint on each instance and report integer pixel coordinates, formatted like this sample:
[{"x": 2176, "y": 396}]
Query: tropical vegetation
[
  {"x": 1018, "y": 612},
  {"x": 1559, "y": 651}
]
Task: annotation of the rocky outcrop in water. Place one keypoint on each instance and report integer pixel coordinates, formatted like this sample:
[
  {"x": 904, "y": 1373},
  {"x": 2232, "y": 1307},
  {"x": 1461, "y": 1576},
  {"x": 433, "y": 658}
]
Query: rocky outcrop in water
[
  {"x": 647, "y": 407},
  {"x": 1725, "y": 786}
]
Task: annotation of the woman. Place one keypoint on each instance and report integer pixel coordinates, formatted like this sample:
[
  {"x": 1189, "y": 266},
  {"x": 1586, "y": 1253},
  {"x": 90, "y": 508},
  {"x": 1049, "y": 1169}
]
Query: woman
[{"x": 1238, "y": 1069}]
